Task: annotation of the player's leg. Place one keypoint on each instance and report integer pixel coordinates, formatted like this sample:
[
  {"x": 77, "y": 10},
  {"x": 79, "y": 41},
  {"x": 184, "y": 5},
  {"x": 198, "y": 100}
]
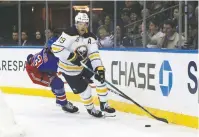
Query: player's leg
[
  {"x": 57, "y": 86},
  {"x": 101, "y": 90},
  {"x": 80, "y": 86},
  {"x": 87, "y": 99}
]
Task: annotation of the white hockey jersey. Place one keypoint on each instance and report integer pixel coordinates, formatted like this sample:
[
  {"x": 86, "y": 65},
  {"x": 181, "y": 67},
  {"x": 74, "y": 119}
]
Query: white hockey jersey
[{"x": 66, "y": 44}]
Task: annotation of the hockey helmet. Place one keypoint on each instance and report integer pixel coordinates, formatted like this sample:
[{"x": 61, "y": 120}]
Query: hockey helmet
[
  {"x": 29, "y": 58},
  {"x": 81, "y": 17}
]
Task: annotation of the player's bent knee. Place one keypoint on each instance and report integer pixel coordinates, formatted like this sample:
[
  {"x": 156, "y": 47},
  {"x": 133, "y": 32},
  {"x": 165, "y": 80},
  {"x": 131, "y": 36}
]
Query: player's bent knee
[
  {"x": 86, "y": 94},
  {"x": 57, "y": 83}
]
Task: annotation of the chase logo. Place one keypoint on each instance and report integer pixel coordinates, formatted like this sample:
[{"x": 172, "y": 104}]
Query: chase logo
[{"x": 165, "y": 78}]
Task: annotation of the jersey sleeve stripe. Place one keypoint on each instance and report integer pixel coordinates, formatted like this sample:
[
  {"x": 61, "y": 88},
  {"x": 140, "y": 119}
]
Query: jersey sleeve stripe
[
  {"x": 56, "y": 49},
  {"x": 93, "y": 53},
  {"x": 58, "y": 45},
  {"x": 66, "y": 67},
  {"x": 77, "y": 71},
  {"x": 39, "y": 80},
  {"x": 66, "y": 63},
  {"x": 95, "y": 59},
  {"x": 94, "y": 56}
]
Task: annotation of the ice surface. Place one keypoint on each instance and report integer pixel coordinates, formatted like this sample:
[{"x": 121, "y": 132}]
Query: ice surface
[{"x": 42, "y": 118}]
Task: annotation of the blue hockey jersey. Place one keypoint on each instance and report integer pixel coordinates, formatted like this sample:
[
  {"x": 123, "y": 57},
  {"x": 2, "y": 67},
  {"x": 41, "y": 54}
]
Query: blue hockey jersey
[{"x": 45, "y": 61}]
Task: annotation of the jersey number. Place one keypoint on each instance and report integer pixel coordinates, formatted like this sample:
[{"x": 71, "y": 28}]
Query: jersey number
[
  {"x": 61, "y": 40},
  {"x": 38, "y": 61}
]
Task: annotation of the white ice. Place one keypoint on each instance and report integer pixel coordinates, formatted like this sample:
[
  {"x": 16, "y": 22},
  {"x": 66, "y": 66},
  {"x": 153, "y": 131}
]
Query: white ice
[{"x": 42, "y": 118}]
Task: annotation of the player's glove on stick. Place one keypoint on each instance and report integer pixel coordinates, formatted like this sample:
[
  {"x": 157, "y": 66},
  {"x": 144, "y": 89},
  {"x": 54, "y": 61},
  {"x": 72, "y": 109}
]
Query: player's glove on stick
[
  {"x": 75, "y": 58},
  {"x": 100, "y": 74}
]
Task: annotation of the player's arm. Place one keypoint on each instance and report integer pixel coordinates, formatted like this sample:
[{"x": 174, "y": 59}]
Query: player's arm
[
  {"x": 61, "y": 46},
  {"x": 36, "y": 76},
  {"x": 96, "y": 62}
]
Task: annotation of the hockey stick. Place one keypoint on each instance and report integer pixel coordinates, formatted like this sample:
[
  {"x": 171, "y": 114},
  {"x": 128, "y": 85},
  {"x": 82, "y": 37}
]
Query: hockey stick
[
  {"x": 115, "y": 92},
  {"x": 127, "y": 97}
]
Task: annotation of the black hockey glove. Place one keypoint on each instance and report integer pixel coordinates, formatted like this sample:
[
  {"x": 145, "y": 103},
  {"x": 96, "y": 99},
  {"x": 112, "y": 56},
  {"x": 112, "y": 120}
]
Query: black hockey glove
[
  {"x": 75, "y": 58},
  {"x": 100, "y": 74}
]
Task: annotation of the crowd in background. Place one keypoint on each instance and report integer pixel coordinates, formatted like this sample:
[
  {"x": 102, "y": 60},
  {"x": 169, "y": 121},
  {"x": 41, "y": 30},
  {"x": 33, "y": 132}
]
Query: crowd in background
[{"x": 162, "y": 27}]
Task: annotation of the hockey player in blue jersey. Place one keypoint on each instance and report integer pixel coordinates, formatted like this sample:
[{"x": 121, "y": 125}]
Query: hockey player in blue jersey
[{"x": 42, "y": 70}]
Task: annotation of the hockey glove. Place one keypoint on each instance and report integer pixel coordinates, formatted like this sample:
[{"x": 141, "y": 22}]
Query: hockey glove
[
  {"x": 75, "y": 58},
  {"x": 100, "y": 74}
]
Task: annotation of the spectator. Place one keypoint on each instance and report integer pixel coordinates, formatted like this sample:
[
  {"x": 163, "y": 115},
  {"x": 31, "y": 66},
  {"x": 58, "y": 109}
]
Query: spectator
[
  {"x": 166, "y": 5},
  {"x": 133, "y": 29},
  {"x": 125, "y": 16},
  {"x": 195, "y": 38},
  {"x": 191, "y": 17},
  {"x": 24, "y": 37},
  {"x": 193, "y": 34},
  {"x": 102, "y": 32},
  {"x": 52, "y": 35},
  {"x": 14, "y": 41},
  {"x": 176, "y": 14},
  {"x": 154, "y": 35},
  {"x": 171, "y": 38},
  {"x": 119, "y": 42},
  {"x": 157, "y": 6},
  {"x": 133, "y": 17},
  {"x": 105, "y": 39},
  {"x": 135, "y": 35},
  {"x": 137, "y": 39},
  {"x": 100, "y": 22},
  {"x": 108, "y": 24},
  {"x": 147, "y": 12},
  {"x": 38, "y": 39},
  {"x": 132, "y": 32},
  {"x": 133, "y": 6},
  {"x": 176, "y": 19},
  {"x": 49, "y": 33}
]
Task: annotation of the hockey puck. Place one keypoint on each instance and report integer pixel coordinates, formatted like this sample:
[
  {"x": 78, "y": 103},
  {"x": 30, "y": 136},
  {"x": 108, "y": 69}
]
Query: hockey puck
[{"x": 147, "y": 125}]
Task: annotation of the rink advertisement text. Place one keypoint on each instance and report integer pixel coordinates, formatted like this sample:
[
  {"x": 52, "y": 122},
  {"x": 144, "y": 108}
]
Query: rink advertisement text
[
  {"x": 162, "y": 80},
  {"x": 139, "y": 75},
  {"x": 12, "y": 65},
  {"x": 193, "y": 79}
]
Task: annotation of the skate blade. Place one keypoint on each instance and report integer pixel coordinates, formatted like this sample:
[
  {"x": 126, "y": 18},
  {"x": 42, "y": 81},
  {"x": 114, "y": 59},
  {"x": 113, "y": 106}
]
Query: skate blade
[{"x": 105, "y": 114}]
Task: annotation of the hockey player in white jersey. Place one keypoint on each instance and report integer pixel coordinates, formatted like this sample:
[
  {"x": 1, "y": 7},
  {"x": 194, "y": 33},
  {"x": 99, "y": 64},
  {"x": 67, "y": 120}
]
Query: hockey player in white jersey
[{"x": 74, "y": 46}]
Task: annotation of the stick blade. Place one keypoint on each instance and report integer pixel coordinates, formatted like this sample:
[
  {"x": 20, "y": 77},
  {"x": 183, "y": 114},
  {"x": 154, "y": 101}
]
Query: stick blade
[{"x": 163, "y": 120}]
